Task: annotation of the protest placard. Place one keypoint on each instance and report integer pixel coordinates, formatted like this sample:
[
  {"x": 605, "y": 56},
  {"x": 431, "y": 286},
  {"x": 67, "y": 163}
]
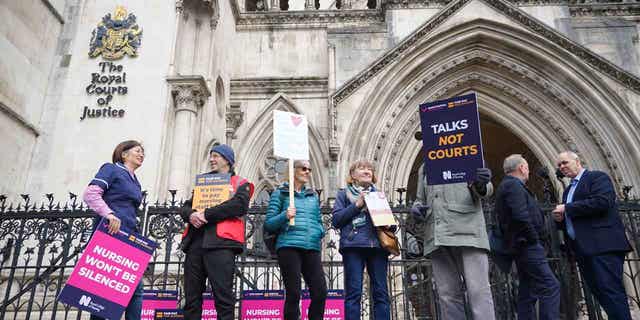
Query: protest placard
[
  {"x": 157, "y": 299},
  {"x": 208, "y": 307},
  {"x": 290, "y": 135},
  {"x": 211, "y": 189},
  {"x": 291, "y": 141},
  {"x": 379, "y": 209},
  {"x": 452, "y": 143},
  {"x": 107, "y": 274},
  {"x": 333, "y": 307},
  {"x": 262, "y": 305}
]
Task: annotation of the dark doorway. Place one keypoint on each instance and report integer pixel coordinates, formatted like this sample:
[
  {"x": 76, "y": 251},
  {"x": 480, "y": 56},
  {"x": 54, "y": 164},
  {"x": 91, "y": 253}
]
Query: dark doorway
[{"x": 498, "y": 142}]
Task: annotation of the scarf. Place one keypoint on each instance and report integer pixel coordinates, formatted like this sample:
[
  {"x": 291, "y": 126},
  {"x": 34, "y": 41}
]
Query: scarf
[{"x": 354, "y": 191}]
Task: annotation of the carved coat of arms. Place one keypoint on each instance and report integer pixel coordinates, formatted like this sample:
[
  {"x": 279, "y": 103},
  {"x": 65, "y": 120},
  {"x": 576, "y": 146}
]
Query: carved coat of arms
[{"x": 116, "y": 36}]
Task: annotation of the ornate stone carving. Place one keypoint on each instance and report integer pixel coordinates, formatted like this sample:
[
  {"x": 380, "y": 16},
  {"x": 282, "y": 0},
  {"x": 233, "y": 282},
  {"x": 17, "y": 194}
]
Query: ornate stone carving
[
  {"x": 285, "y": 85},
  {"x": 189, "y": 92},
  {"x": 625, "y": 9},
  {"x": 627, "y": 79},
  {"x": 466, "y": 81},
  {"x": 187, "y": 98},
  {"x": 234, "y": 118},
  {"x": 212, "y": 7},
  {"x": 287, "y": 19}
]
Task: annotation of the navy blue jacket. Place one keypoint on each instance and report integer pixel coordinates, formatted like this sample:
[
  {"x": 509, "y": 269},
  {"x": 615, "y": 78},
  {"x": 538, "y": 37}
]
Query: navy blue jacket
[
  {"x": 122, "y": 193},
  {"x": 520, "y": 217},
  {"x": 343, "y": 214},
  {"x": 594, "y": 213}
]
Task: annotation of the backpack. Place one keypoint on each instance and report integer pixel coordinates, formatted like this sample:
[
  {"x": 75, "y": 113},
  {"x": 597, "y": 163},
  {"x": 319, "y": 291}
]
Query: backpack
[{"x": 269, "y": 238}]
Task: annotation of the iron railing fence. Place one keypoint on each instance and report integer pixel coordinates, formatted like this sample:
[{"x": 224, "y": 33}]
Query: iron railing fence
[{"x": 40, "y": 243}]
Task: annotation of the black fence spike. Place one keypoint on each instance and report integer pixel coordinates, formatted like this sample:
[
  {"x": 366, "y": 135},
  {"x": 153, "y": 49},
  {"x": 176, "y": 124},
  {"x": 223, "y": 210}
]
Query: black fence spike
[{"x": 26, "y": 199}]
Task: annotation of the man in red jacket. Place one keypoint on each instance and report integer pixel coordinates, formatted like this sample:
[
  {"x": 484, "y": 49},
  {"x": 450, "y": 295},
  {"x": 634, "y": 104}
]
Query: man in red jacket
[{"x": 213, "y": 239}]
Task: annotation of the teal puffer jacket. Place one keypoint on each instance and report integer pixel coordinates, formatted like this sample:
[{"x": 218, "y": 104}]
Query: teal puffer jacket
[{"x": 307, "y": 231}]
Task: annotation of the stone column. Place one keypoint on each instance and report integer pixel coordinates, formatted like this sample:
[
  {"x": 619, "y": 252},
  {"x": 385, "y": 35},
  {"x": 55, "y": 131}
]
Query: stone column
[
  {"x": 309, "y": 5},
  {"x": 189, "y": 95},
  {"x": 275, "y": 5},
  {"x": 174, "y": 41}
]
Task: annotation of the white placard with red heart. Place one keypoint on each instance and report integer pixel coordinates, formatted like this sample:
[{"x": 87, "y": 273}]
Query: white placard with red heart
[{"x": 290, "y": 135}]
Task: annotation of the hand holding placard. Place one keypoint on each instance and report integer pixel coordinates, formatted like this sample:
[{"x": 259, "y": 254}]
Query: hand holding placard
[
  {"x": 379, "y": 209},
  {"x": 452, "y": 141},
  {"x": 108, "y": 272},
  {"x": 290, "y": 141}
]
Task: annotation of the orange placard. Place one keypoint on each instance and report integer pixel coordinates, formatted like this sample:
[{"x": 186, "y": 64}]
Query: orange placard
[{"x": 211, "y": 189}]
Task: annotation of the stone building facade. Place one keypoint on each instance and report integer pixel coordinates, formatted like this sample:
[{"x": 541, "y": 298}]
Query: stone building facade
[{"x": 550, "y": 75}]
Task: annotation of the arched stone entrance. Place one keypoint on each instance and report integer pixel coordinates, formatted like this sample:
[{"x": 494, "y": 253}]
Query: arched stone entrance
[
  {"x": 256, "y": 150},
  {"x": 546, "y": 97},
  {"x": 497, "y": 142}
]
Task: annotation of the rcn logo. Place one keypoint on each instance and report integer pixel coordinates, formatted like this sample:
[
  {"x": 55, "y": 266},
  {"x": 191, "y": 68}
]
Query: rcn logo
[
  {"x": 447, "y": 175},
  {"x": 85, "y": 300}
]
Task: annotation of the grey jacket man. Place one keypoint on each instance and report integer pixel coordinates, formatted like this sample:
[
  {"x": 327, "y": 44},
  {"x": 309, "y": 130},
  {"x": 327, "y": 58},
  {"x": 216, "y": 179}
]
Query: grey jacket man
[
  {"x": 457, "y": 243},
  {"x": 454, "y": 217}
]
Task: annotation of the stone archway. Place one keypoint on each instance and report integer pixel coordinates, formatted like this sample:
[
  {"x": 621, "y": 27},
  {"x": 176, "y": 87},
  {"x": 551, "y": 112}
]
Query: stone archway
[
  {"x": 256, "y": 148},
  {"x": 547, "y": 97},
  {"x": 494, "y": 153}
]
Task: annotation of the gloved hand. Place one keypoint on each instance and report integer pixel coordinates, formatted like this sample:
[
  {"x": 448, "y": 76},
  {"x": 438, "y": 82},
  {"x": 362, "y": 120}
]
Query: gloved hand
[
  {"x": 419, "y": 211},
  {"x": 483, "y": 176}
]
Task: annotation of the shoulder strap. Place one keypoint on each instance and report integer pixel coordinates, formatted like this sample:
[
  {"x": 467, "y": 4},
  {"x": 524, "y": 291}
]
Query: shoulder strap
[{"x": 237, "y": 181}]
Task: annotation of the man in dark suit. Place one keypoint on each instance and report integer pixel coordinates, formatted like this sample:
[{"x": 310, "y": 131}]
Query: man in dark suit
[
  {"x": 590, "y": 220},
  {"x": 522, "y": 223}
]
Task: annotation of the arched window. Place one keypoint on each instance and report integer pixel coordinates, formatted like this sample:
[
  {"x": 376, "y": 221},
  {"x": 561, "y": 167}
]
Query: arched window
[{"x": 220, "y": 105}]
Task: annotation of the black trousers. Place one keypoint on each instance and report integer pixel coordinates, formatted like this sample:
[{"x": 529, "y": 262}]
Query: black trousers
[
  {"x": 293, "y": 262},
  {"x": 218, "y": 266}
]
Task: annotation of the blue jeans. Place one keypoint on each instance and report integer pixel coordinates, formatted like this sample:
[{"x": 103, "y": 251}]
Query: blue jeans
[
  {"x": 376, "y": 261},
  {"x": 134, "y": 308},
  {"x": 536, "y": 283}
]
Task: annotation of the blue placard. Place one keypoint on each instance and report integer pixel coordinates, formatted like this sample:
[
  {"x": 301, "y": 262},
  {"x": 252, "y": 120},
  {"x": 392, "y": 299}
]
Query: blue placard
[{"x": 452, "y": 143}]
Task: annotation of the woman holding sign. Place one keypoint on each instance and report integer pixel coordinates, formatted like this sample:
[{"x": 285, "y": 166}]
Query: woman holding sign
[
  {"x": 359, "y": 244},
  {"x": 115, "y": 195},
  {"x": 298, "y": 246}
]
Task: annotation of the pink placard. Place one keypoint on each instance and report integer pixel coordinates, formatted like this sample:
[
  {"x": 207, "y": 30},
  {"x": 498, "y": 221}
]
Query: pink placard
[
  {"x": 108, "y": 272},
  {"x": 158, "y": 299},
  {"x": 208, "y": 307},
  {"x": 262, "y": 305},
  {"x": 109, "y": 268},
  {"x": 333, "y": 308}
]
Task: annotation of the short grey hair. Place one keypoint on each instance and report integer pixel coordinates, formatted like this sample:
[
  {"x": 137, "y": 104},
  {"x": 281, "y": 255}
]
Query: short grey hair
[
  {"x": 299, "y": 163},
  {"x": 512, "y": 162},
  {"x": 571, "y": 155}
]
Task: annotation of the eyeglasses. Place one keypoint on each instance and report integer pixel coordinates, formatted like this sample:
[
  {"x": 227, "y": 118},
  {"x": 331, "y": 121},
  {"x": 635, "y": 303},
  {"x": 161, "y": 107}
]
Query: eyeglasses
[{"x": 304, "y": 169}]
